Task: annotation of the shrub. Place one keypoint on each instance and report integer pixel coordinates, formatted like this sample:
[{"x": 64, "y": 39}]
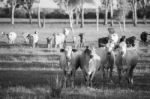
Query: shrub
[{"x": 20, "y": 13}]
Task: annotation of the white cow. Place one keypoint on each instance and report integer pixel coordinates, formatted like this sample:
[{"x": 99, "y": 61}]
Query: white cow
[
  {"x": 33, "y": 39},
  {"x": 90, "y": 63},
  {"x": 60, "y": 38},
  {"x": 11, "y": 37}
]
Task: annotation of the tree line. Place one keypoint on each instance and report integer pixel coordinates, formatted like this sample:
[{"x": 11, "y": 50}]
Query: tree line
[{"x": 114, "y": 9}]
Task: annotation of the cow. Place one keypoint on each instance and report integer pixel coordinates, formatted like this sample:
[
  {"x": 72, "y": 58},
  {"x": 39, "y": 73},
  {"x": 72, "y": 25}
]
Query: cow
[
  {"x": 50, "y": 41},
  {"x": 76, "y": 41},
  {"x": 107, "y": 60},
  {"x": 87, "y": 60},
  {"x": 33, "y": 39},
  {"x": 11, "y": 37},
  {"x": 131, "y": 41},
  {"x": 69, "y": 63},
  {"x": 144, "y": 36},
  {"x": 126, "y": 65},
  {"x": 60, "y": 38},
  {"x": 102, "y": 41},
  {"x": 25, "y": 34},
  {"x": 123, "y": 38},
  {"x": 82, "y": 39},
  {"x": 90, "y": 63}
]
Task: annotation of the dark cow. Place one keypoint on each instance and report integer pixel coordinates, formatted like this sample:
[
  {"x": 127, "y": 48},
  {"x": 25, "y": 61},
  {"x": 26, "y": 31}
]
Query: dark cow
[
  {"x": 102, "y": 41},
  {"x": 90, "y": 63},
  {"x": 131, "y": 41},
  {"x": 69, "y": 63},
  {"x": 82, "y": 39},
  {"x": 122, "y": 39},
  {"x": 50, "y": 41},
  {"x": 144, "y": 36},
  {"x": 125, "y": 65}
]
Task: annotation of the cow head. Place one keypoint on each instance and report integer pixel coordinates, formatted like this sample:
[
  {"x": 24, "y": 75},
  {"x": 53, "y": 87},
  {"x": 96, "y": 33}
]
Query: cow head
[
  {"x": 35, "y": 32},
  {"x": 109, "y": 47},
  {"x": 3, "y": 33},
  {"x": 89, "y": 52},
  {"x": 122, "y": 39}
]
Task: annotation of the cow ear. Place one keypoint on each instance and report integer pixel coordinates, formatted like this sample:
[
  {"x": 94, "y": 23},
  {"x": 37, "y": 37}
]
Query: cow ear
[
  {"x": 62, "y": 50},
  {"x": 74, "y": 50}
]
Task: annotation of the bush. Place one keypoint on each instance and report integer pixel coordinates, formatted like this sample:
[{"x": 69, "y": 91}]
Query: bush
[
  {"x": 4, "y": 13},
  {"x": 20, "y": 13}
]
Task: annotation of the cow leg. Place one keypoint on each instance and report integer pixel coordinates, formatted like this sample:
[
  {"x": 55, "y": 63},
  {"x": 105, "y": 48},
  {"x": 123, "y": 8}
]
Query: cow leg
[
  {"x": 73, "y": 80},
  {"x": 110, "y": 73},
  {"x": 103, "y": 72},
  {"x": 65, "y": 82},
  {"x": 130, "y": 75},
  {"x": 85, "y": 76},
  {"x": 91, "y": 79},
  {"x": 119, "y": 74}
]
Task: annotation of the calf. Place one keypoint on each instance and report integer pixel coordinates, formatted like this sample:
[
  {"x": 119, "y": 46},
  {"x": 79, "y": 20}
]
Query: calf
[
  {"x": 11, "y": 37},
  {"x": 102, "y": 41}
]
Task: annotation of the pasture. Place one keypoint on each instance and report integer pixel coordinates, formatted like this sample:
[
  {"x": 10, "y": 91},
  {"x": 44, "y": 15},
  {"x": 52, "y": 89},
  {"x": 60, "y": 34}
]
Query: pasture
[{"x": 29, "y": 73}]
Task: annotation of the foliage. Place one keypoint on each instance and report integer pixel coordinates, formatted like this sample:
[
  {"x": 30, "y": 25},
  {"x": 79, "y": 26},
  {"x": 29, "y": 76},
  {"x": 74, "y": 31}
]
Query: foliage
[{"x": 123, "y": 10}]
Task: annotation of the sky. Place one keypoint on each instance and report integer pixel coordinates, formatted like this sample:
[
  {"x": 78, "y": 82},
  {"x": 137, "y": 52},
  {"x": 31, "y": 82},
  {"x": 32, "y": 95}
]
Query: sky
[
  {"x": 52, "y": 4},
  {"x": 46, "y": 4}
]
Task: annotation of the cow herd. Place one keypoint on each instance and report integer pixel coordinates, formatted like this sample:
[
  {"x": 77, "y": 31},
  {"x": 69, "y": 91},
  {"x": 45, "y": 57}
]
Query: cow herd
[{"x": 89, "y": 59}]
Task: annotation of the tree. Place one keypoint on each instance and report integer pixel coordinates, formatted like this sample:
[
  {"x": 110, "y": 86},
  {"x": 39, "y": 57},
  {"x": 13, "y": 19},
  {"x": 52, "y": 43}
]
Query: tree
[
  {"x": 122, "y": 11},
  {"x": 106, "y": 5},
  {"x": 144, "y": 4},
  {"x": 111, "y": 11},
  {"x": 70, "y": 6},
  {"x": 28, "y": 6},
  {"x": 39, "y": 11},
  {"x": 14, "y": 4},
  {"x": 134, "y": 10}
]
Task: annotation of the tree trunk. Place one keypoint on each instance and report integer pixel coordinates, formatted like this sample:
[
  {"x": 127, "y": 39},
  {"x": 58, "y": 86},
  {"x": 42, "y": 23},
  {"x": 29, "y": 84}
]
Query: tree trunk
[
  {"x": 43, "y": 25},
  {"x": 112, "y": 13},
  {"x": 144, "y": 19},
  {"x": 71, "y": 24},
  {"x": 106, "y": 13},
  {"x": 97, "y": 18},
  {"x": 144, "y": 16},
  {"x": 135, "y": 14},
  {"x": 124, "y": 20},
  {"x": 106, "y": 17},
  {"x": 77, "y": 17},
  {"x": 39, "y": 19},
  {"x": 13, "y": 14},
  {"x": 30, "y": 17},
  {"x": 82, "y": 17}
]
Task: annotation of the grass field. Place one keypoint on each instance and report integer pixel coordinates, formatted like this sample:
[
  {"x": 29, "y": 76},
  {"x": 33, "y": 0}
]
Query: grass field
[{"x": 27, "y": 73}]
